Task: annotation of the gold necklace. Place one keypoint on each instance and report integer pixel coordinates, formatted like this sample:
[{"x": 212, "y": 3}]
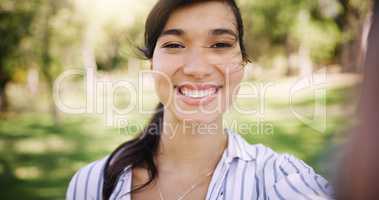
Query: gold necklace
[{"x": 182, "y": 196}]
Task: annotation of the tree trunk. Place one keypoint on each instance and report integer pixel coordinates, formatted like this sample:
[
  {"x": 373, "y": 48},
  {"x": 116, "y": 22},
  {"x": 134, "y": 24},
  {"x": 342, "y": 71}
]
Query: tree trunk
[
  {"x": 53, "y": 108},
  {"x": 3, "y": 97},
  {"x": 47, "y": 62},
  {"x": 354, "y": 22}
]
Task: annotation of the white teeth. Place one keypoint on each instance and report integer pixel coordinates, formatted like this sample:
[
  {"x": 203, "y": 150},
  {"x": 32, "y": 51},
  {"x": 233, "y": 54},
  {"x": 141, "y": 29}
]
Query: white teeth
[{"x": 198, "y": 93}]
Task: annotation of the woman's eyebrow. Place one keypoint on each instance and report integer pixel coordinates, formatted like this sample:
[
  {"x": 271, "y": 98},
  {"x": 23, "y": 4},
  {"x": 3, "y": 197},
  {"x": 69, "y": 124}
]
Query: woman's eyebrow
[
  {"x": 175, "y": 32},
  {"x": 223, "y": 31},
  {"x": 213, "y": 32}
]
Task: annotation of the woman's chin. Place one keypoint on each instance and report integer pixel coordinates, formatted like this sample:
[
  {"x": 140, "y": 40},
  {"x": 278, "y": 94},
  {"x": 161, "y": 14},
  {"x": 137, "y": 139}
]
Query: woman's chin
[
  {"x": 198, "y": 114},
  {"x": 198, "y": 118}
]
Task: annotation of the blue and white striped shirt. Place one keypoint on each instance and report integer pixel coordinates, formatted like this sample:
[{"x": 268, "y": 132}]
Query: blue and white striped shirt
[{"x": 245, "y": 171}]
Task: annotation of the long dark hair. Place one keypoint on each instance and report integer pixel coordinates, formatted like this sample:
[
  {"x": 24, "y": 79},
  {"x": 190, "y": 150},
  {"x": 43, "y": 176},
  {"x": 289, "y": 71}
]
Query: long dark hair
[{"x": 140, "y": 151}]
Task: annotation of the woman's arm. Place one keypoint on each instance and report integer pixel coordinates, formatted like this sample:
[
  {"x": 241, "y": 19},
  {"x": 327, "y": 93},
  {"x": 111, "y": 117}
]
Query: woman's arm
[{"x": 87, "y": 182}]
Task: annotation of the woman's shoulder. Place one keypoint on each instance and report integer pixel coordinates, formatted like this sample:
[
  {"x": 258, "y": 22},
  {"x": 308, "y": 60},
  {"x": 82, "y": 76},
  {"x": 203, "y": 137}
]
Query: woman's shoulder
[
  {"x": 87, "y": 182},
  {"x": 262, "y": 154},
  {"x": 281, "y": 175},
  {"x": 285, "y": 175}
]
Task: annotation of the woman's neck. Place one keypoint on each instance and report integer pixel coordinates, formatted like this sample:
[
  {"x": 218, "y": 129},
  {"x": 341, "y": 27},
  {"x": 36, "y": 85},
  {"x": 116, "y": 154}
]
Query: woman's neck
[{"x": 184, "y": 143}]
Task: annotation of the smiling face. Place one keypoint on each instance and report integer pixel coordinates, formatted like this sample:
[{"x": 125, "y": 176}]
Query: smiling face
[{"x": 199, "y": 59}]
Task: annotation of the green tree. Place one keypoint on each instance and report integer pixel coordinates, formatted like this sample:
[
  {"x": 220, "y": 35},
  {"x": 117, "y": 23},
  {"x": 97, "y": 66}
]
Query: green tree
[
  {"x": 16, "y": 16},
  {"x": 324, "y": 29}
]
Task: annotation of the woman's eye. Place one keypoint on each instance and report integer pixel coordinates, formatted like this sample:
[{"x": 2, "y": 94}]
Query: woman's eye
[
  {"x": 221, "y": 45},
  {"x": 173, "y": 46}
]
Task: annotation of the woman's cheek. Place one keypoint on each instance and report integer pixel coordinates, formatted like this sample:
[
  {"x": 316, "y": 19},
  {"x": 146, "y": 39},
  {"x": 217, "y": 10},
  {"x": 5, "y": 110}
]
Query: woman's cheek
[
  {"x": 234, "y": 85},
  {"x": 161, "y": 88},
  {"x": 167, "y": 63},
  {"x": 164, "y": 68}
]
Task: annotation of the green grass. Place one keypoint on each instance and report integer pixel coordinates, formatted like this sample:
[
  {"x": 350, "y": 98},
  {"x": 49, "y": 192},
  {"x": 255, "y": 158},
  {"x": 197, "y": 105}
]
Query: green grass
[{"x": 39, "y": 158}]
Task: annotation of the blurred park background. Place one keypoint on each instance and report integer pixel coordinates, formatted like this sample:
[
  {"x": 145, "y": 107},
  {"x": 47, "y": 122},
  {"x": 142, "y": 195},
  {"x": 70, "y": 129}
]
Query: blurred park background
[{"x": 293, "y": 44}]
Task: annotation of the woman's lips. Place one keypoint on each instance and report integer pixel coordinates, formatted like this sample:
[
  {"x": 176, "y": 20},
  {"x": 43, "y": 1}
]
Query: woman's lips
[{"x": 197, "y": 94}]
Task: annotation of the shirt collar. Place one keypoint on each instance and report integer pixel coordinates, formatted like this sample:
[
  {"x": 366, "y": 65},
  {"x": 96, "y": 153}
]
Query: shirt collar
[{"x": 238, "y": 148}]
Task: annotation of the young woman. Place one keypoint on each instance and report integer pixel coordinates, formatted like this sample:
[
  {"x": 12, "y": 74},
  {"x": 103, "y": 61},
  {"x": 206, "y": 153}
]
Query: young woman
[{"x": 197, "y": 52}]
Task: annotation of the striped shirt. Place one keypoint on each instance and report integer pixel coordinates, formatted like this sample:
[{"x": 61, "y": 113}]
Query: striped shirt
[{"x": 245, "y": 171}]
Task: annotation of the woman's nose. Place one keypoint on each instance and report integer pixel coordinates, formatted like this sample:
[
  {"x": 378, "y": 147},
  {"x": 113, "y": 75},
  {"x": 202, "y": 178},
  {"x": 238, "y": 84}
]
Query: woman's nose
[{"x": 196, "y": 65}]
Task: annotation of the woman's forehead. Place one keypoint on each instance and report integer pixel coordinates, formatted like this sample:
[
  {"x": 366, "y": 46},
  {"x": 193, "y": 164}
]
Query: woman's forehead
[{"x": 202, "y": 17}]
